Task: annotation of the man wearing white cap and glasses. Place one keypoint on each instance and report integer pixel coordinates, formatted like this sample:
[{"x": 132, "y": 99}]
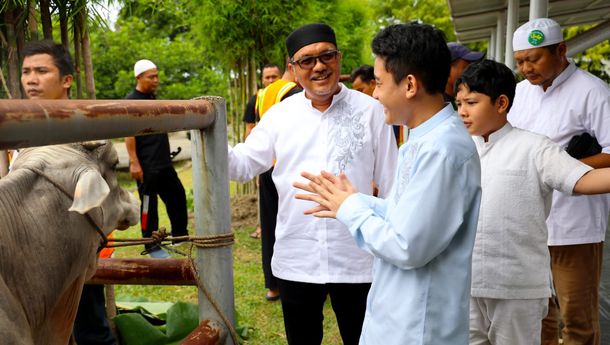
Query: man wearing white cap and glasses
[
  {"x": 572, "y": 107},
  {"x": 150, "y": 164}
]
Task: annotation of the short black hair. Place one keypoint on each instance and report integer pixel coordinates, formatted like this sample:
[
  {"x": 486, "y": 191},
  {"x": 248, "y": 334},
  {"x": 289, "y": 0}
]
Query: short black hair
[
  {"x": 60, "y": 54},
  {"x": 490, "y": 78},
  {"x": 417, "y": 49},
  {"x": 271, "y": 65},
  {"x": 365, "y": 72}
]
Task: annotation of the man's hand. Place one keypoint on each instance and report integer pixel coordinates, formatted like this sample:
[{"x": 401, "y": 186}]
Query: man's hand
[
  {"x": 136, "y": 171},
  {"x": 328, "y": 190}
]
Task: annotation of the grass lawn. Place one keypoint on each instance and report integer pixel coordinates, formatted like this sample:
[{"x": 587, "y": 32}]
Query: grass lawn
[{"x": 263, "y": 318}]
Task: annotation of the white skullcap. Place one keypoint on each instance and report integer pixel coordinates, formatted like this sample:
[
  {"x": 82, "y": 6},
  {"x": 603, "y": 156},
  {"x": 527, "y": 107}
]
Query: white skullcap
[
  {"x": 537, "y": 33},
  {"x": 142, "y": 66}
]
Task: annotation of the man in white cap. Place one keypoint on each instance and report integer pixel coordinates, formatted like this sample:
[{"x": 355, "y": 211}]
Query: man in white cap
[
  {"x": 150, "y": 164},
  {"x": 572, "y": 107},
  {"x": 326, "y": 127}
]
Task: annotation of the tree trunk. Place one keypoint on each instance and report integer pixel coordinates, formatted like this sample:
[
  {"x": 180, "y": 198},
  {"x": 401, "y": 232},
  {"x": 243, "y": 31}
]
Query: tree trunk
[
  {"x": 20, "y": 28},
  {"x": 45, "y": 19},
  {"x": 87, "y": 62},
  {"x": 13, "y": 56},
  {"x": 77, "y": 59},
  {"x": 3, "y": 43},
  {"x": 32, "y": 21},
  {"x": 63, "y": 25}
]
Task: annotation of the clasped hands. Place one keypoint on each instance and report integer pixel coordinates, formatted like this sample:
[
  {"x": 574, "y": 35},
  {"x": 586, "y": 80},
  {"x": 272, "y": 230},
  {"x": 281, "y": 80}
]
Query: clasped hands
[{"x": 327, "y": 190}]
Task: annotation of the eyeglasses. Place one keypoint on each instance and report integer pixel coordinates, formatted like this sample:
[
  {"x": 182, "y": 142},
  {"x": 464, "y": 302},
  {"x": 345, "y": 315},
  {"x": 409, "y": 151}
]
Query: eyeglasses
[{"x": 309, "y": 62}]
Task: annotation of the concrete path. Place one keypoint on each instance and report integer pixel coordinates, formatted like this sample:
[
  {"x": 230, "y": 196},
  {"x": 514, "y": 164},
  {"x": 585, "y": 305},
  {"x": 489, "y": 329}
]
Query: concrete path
[{"x": 176, "y": 139}]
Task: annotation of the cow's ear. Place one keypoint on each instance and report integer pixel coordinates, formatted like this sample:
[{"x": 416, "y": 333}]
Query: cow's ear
[
  {"x": 91, "y": 190},
  {"x": 93, "y": 145}
]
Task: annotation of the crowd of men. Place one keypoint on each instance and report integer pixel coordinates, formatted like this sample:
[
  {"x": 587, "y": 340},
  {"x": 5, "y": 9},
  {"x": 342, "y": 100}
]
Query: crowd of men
[{"x": 485, "y": 226}]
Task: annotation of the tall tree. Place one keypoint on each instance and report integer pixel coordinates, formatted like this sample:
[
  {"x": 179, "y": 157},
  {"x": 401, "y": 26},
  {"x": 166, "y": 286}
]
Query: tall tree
[
  {"x": 45, "y": 19},
  {"x": 11, "y": 18}
]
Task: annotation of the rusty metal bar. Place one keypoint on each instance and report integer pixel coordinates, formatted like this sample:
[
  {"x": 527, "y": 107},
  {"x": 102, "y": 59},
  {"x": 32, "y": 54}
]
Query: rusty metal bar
[
  {"x": 143, "y": 272},
  {"x": 208, "y": 332},
  {"x": 25, "y": 123}
]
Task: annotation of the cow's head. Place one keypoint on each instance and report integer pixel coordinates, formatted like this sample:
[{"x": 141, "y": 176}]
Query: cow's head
[
  {"x": 88, "y": 169},
  {"x": 97, "y": 186}
]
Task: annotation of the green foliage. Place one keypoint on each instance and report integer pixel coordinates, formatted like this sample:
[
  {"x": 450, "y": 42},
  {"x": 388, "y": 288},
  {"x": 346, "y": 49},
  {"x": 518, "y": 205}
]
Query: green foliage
[
  {"x": 354, "y": 27},
  {"x": 163, "y": 18},
  {"x": 182, "y": 319},
  {"x": 135, "y": 330},
  {"x": 183, "y": 69},
  {"x": 595, "y": 60},
  {"x": 434, "y": 12},
  {"x": 135, "y": 326},
  {"x": 236, "y": 31}
]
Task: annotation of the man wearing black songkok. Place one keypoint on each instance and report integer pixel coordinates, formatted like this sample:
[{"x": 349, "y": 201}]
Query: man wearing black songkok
[{"x": 327, "y": 127}]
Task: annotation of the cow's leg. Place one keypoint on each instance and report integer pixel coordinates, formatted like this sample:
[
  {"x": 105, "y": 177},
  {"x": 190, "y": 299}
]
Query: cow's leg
[
  {"x": 61, "y": 319},
  {"x": 14, "y": 326}
]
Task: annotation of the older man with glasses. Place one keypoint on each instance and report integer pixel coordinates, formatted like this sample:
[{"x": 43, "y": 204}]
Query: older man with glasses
[{"x": 326, "y": 127}]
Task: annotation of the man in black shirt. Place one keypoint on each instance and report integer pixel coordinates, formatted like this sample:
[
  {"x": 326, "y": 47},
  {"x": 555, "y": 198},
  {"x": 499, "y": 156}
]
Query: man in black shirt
[
  {"x": 270, "y": 73},
  {"x": 150, "y": 165}
]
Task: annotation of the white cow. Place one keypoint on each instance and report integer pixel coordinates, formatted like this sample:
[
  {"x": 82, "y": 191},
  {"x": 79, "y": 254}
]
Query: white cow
[{"x": 50, "y": 205}]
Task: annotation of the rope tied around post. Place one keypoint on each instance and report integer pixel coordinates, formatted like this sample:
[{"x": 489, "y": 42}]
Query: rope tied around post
[
  {"x": 161, "y": 236},
  {"x": 204, "y": 242}
]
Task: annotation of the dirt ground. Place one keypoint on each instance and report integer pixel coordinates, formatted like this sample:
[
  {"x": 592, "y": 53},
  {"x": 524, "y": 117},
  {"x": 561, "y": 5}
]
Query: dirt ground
[{"x": 244, "y": 211}]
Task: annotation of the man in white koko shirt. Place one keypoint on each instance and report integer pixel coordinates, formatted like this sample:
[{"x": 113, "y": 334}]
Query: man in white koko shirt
[{"x": 326, "y": 127}]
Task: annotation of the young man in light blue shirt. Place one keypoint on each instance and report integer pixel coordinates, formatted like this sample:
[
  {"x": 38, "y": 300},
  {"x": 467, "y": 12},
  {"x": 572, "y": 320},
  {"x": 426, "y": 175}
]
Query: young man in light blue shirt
[{"x": 422, "y": 235}]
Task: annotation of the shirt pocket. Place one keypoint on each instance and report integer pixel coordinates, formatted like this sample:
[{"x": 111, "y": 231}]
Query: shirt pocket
[{"x": 510, "y": 192}]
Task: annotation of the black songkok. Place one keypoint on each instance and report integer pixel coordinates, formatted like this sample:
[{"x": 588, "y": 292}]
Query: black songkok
[{"x": 308, "y": 34}]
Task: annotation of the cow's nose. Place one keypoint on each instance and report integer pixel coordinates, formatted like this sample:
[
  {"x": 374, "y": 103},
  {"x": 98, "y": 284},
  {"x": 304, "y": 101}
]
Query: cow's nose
[{"x": 124, "y": 224}]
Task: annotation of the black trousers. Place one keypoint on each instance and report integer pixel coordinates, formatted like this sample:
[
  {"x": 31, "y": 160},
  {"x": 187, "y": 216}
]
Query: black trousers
[
  {"x": 268, "y": 200},
  {"x": 302, "y": 304},
  {"x": 91, "y": 326},
  {"x": 165, "y": 184}
]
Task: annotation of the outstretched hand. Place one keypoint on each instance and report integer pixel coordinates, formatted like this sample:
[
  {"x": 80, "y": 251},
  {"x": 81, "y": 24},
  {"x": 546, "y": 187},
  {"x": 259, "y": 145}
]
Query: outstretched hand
[{"x": 326, "y": 189}]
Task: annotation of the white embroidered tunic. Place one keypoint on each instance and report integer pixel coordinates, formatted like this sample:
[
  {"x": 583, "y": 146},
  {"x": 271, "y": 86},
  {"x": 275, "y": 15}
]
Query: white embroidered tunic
[
  {"x": 519, "y": 171},
  {"x": 422, "y": 237},
  {"x": 575, "y": 103},
  {"x": 350, "y": 137}
]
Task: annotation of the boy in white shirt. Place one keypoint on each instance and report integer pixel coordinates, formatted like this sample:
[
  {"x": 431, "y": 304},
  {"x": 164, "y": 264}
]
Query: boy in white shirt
[{"x": 511, "y": 278}]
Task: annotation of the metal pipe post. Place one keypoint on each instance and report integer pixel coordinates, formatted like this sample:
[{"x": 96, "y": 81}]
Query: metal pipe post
[
  {"x": 539, "y": 9},
  {"x": 491, "y": 48},
  {"x": 211, "y": 201},
  {"x": 500, "y": 36},
  {"x": 512, "y": 20},
  {"x": 588, "y": 39}
]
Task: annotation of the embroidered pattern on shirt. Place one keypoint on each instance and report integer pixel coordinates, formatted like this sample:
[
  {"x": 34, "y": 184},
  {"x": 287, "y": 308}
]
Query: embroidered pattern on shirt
[
  {"x": 404, "y": 171},
  {"x": 346, "y": 135}
]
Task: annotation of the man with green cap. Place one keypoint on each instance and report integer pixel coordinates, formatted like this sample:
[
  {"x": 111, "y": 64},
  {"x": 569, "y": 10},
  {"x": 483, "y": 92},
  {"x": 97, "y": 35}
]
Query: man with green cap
[{"x": 327, "y": 127}]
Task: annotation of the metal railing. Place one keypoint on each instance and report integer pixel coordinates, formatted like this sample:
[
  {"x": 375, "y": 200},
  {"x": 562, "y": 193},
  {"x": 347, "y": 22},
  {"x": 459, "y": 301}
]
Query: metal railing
[{"x": 26, "y": 123}]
